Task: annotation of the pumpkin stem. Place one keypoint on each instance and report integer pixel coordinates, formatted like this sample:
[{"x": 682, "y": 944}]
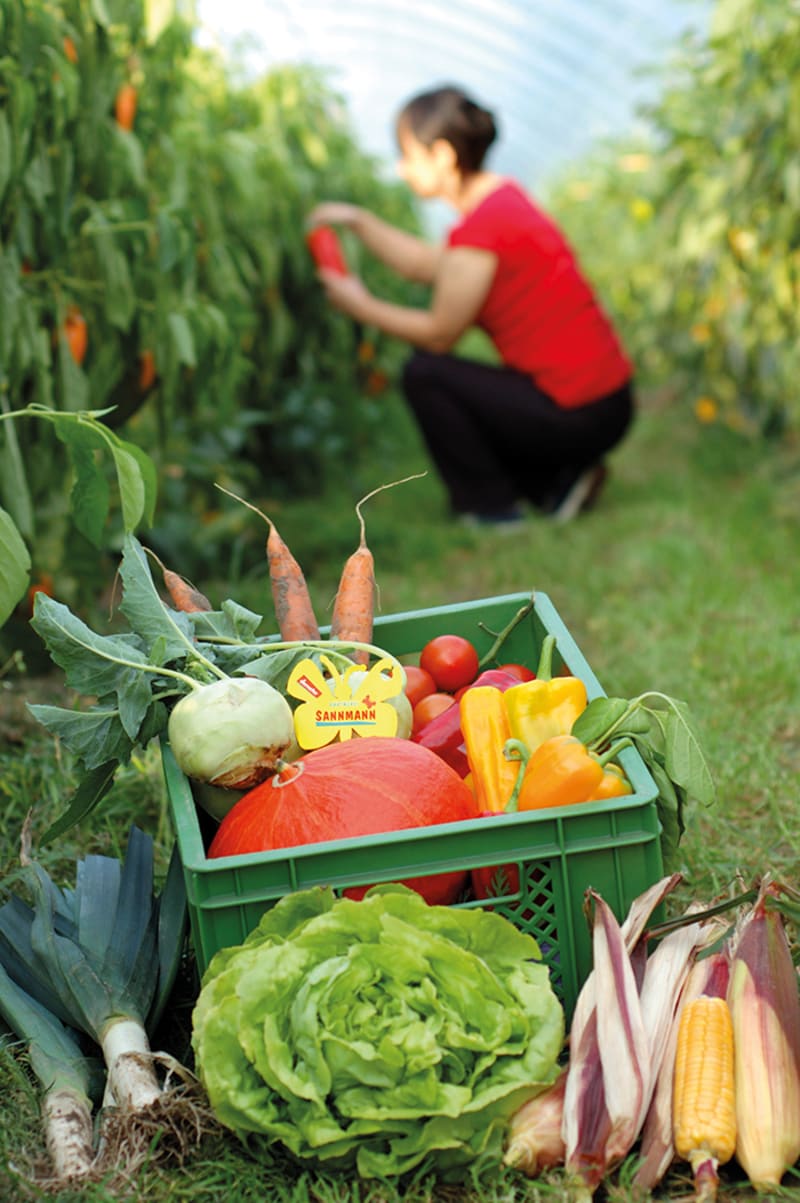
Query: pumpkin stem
[{"x": 288, "y": 771}]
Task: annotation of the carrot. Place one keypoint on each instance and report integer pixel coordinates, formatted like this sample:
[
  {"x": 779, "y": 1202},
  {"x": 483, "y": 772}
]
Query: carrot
[
  {"x": 353, "y": 608},
  {"x": 183, "y": 596},
  {"x": 293, "y": 609}
]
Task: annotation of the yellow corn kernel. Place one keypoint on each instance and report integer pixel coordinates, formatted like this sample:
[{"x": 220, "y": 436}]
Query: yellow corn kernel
[{"x": 703, "y": 1109}]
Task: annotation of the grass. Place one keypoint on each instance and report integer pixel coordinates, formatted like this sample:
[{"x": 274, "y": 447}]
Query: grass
[{"x": 682, "y": 580}]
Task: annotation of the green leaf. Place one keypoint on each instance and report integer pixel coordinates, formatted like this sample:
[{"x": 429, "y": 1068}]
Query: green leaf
[
  {"x": 232, "y": 621},
  {"x": 5, "y": 154},
  {"x": 120, "y": 301},
  {"x": 100, "y": 13},
  {"x": 95, "y": 665},
  {"x": 93, "y": 788},
  {"x": 182, "y": 340},
  {"x": 275, "y": 667},
  {"x": 10, "y": 295},
  {"x": 90, "y": 493},
  {"x": 157, "y": 15},
  {"x": 684, "y": 758},
  {"x": 94, "y": 736},
  {"x": 15, "y": 566},
  {"x": 152, "y": 620},
  {"x": 173, "y": 924},
  {"x": 13, "y": 480},
  {"x": 131, "y": 486},
  {"x": 147, "y": 471},
  {"x": 598, "y": 719},
  {"x": 669, "y": 805},
  {"x": 169, "y": 241}
]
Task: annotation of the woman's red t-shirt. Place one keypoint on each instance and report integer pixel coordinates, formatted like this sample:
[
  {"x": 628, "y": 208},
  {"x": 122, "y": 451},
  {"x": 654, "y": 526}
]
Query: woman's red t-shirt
[{"x": 541, "y": 313}]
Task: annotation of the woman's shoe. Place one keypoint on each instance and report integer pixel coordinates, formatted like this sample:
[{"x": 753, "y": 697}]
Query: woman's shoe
[{"x": 579, "y": 494}]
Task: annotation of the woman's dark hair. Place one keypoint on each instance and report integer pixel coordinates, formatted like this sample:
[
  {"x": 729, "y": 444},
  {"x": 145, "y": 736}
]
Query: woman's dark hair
[{"x": 450, "y": 114}]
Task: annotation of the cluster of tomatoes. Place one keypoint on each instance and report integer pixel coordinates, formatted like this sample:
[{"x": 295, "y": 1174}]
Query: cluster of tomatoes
[{"x": 448, "y": 664}]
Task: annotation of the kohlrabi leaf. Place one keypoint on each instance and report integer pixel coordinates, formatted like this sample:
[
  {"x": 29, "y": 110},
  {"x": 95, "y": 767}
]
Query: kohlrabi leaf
[
  {"x": 94, "y": 664},
  {"x": 94, "y": 736},
  {"x": 149, "y": 616},
  {"x": 232, "y": 621}
]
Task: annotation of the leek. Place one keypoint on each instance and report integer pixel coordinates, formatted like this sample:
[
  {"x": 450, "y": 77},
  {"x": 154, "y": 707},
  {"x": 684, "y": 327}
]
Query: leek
[
  {"x": 68, "y": 1079},
  {"x": 102, "y": 958}
]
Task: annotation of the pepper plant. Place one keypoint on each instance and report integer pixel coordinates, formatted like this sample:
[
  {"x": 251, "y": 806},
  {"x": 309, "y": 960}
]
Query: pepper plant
[{"x": 703, "y": 271}]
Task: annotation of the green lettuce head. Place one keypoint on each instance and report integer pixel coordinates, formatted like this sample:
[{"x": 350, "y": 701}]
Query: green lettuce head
[{"x": 378, "y": 1035}]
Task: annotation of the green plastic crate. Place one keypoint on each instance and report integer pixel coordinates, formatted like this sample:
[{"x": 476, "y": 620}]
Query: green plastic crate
[{"x": 612, "y": 846}]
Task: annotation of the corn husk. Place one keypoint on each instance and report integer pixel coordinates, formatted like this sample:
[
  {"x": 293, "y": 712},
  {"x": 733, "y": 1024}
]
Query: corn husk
[
  {"x": 609, "y": 1080},
  {"x": 535, "y": 1141},
  {"x": 657, "y": 1150},
  {"x": 765, "y": 1009}
]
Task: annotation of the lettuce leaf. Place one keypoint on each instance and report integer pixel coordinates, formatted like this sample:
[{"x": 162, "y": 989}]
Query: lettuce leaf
[{"x": 378, "y": 1035}]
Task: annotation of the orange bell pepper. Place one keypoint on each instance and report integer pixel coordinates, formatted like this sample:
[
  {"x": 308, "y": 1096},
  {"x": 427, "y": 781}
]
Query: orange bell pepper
[{"x": 562, "y": 772}]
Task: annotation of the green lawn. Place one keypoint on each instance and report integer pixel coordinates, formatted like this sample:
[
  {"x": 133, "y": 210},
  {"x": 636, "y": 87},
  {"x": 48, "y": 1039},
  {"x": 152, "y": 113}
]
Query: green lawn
[{"x": 682, "y": 580}]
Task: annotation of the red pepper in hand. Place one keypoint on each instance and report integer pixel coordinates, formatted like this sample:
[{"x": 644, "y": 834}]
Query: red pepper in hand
[
  {"x": 443, "y": 734},
  {"x": 326, "y": 250}
]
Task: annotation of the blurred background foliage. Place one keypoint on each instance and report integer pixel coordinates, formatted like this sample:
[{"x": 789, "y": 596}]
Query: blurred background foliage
[
  {"x": 692, "y": 231},
  {"x": 152, "y": 260}
]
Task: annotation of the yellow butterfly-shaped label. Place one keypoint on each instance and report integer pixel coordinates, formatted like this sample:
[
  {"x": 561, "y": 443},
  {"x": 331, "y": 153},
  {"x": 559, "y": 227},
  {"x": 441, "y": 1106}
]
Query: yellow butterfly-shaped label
[{"x": 339, "y": 705}]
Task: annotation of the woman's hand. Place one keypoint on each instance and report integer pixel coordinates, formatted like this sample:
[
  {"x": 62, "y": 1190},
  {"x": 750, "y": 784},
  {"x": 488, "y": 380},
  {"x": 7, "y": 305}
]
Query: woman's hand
[
  {"x": 348, "y": 294},
  {"x": 334, "y": 213}
]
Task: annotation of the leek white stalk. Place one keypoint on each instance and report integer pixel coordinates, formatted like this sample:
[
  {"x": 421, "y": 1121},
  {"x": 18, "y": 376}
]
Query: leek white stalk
[
  {"x": 102, "y": 957},
  {"x": 67, "y": 1078}
]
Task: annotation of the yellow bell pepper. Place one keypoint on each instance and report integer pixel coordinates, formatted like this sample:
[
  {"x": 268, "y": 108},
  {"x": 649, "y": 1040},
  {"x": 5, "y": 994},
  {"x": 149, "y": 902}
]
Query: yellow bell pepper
[{"x": 547, "y": 706}]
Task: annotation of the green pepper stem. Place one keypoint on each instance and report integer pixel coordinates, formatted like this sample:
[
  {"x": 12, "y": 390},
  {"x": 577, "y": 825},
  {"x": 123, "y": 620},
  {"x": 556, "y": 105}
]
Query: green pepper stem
[
  {"x": 614, "y": 751},
  {"x": 501, "y": 636},
  {"x": 516, "y": 749},
  {"x": 544, "y": 672}
]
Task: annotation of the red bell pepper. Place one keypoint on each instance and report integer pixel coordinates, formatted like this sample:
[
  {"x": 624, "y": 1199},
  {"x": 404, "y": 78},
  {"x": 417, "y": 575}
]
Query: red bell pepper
[{"x": 443, "y": 734}]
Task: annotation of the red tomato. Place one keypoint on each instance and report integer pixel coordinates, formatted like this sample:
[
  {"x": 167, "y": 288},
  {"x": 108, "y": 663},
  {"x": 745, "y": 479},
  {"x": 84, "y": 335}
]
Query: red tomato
[
  {"x": 326, "y": 250},
  {"x": 428, "y": 708},
  {"x": 451, "y": 660},
  {"x": 419, "y": 684},
  {"x": 521, "y": 671}
]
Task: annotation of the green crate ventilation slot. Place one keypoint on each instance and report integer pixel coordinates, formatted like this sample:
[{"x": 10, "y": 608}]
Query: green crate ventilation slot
[{"x": 531, "y": 909}]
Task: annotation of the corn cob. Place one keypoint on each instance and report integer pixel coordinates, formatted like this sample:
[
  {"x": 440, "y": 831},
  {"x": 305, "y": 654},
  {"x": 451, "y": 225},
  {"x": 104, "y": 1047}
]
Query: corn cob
[
  {"x": 658, "y": 1146},
  {"x": 704, "y": 1114},
  {"x": 765, "y": 1008}
]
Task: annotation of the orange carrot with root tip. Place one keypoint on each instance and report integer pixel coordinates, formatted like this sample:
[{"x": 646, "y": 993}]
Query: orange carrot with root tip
[
  {"x": 183, "y": 595},
  {"x": 294, "y": 612},
  {"x": 353, "y": 609}
]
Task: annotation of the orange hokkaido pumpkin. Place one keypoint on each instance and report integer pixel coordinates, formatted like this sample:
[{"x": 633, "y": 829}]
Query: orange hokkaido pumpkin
[{"x": 357, "y": 788}]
